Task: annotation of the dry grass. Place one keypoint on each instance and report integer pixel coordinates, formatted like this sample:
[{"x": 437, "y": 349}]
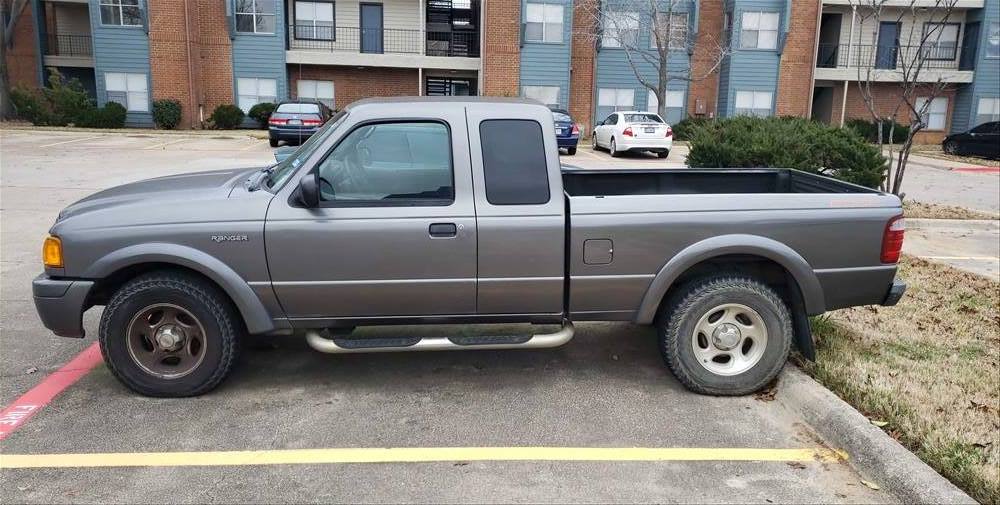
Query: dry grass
[
  {"x": 934, "y": 211},
  {"x": 929, "y": 367}
]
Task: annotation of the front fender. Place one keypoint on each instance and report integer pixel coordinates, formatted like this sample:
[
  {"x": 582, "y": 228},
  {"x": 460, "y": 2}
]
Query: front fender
[
  {"x": 256, "y": 316},
  {"x": 795, "y": 264}
]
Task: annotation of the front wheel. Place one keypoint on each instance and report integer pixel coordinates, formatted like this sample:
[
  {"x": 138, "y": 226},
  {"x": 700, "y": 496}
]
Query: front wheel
[
  {"x": 951, "y": 147},
  {"x": 169, "y": 334},
  {"x": 725, "y": 335}
]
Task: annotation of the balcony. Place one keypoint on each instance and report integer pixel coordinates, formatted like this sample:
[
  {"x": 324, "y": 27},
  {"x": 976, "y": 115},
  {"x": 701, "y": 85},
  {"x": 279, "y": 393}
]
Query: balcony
[
  {"x": 77, "y": 46},
  {"x": 846, "y": 62},
  {"x": 413, "y": 48}
]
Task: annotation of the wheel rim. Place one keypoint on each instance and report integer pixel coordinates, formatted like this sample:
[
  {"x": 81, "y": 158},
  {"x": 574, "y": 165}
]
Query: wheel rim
[
  {"x": 593, "y": 140},
  {"x": 729, "y": 339},
  {"x": 950, "y": 148},
  {"x": 166, "y": 341},
  {"x": 612, "y": 146}
]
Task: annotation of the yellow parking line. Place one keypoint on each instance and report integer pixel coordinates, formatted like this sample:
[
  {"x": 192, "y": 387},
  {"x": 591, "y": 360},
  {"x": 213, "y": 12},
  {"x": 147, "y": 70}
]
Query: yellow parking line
[{"x": 412, "y": 455}]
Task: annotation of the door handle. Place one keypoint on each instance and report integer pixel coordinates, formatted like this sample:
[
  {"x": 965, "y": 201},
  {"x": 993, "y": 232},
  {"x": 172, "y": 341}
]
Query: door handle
[{"x": 443, "y": 230}]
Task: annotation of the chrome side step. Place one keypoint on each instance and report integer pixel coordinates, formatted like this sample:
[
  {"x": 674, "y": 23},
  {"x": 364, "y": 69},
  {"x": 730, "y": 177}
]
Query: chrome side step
[{"x": 347, "y": 346}]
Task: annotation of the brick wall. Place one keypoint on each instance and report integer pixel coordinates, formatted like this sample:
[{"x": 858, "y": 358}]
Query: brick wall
[
  {"x": 22, "y": 57},
  {"x": 582, "y": 62},
  {"x": 706, "y": 54},
  {"x": 351, "y": 83},
  {"x": 886, "y": 97},
  {"x": 214, "y": 55},
  {"x": 501, "y": 48},
  {"x": 795, "y": 73}
]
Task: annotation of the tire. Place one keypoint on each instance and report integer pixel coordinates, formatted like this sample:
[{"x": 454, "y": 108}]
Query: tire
[
  {"x": 274, "y": 142},
  {"x": 570, "y": 151},
  {"x": 951, "y": 147},
  {"x": 748, "y": 368},
  {"x": 613, "y": 149},
  {"x": 663, "y": 154},
  {"x": 593, "y": 142},
  {"x": 130, "y": 345}
]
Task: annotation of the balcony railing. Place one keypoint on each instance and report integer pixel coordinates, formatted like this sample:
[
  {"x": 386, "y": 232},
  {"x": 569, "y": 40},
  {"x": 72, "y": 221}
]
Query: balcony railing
[
  {"x": 459, "y": 43},
  {"x": 68, "y": 45},
  {"x": 935, "y": 57}
]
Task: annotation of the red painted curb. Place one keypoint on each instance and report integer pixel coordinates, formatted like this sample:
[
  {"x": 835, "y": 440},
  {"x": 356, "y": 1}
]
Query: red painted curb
[{"x": 17, "y": 413}]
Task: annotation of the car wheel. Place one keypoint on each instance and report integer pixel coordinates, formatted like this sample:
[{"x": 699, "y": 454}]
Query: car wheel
[
  {"x": 951, "y": 147},
  {"x": 613, "y": 149},
  {"x": 570, "y": 151},
  {"x": 725, "y": 335},
  {"x": 593, "y": 141},
  {"x": 274, "y": 142},
  {"x": 169, "y": 334},
  {"x": 663, "y": 154}
]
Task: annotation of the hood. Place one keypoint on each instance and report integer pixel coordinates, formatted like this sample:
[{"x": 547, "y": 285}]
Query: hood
[{"x": 216, "y": 184}]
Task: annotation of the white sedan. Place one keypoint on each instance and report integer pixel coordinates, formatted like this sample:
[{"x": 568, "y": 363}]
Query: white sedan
[{"x": 633, "y": 131}]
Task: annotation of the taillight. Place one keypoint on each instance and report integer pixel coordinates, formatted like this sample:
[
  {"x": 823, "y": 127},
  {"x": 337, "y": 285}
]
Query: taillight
[
  {"x": 277, "y": 121},
  {"x": 576, "y": 129},
  {"x": 627, "y": 132},
  {"x": 670, "y": 132},
  {"x": 892, "y": 240},
  {"x": 310, "y": 122}
]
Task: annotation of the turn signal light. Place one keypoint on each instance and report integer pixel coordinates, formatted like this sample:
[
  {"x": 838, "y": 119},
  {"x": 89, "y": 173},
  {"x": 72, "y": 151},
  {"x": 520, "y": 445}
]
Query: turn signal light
[
  {"x": 892, "y": 240},
  {"x": 627, "y": 132},
  {"x": 52, "y": 255}
]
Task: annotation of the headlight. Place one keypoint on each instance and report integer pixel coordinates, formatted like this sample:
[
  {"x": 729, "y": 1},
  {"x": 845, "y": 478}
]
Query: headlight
[{"x": 52, "y": 255}]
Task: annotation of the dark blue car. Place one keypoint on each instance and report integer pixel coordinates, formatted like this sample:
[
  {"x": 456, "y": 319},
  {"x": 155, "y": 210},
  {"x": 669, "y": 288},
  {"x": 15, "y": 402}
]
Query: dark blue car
[
  {"x": 567, "y": 131},
  {"x": 294, "y": 121}
]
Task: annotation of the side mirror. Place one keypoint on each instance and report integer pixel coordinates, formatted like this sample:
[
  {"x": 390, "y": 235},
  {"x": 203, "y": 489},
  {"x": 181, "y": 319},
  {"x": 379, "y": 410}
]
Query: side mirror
[{"x": 309, "y": 190}]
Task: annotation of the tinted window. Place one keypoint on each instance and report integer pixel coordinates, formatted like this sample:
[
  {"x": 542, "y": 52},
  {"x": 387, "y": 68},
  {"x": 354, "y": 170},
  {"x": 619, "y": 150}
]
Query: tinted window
[
  {"x": 298, "y": 108},
  {"x": 642, "y": 118},
  {"x": 514, "y": 162},
  {"x": 390, "y": 164},
  {"x": 987, "y": 128}
]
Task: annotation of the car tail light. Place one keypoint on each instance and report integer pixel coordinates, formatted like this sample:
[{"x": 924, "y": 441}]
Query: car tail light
[
  {"x": 892, "y": 239},
  {"x": 670, "y": 132},
  {"x": 627, "y": 132},
  {"x": 311, "y": 122},
  {"x": 277, "y": 121},
  {"x": 576, "y": 129}
]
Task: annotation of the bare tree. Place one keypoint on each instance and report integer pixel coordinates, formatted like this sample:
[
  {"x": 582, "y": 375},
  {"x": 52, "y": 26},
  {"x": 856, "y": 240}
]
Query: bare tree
[
  {"x": 910, "y": 64},
  {"x": 650, "y": 32}
]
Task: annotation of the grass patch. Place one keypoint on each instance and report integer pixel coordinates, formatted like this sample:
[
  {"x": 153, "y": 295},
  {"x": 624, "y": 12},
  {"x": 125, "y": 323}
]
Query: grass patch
[{"x": 929, "y": 367}]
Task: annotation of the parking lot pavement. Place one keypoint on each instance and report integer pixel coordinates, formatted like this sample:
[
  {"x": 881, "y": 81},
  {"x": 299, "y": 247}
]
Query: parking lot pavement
[
  {"x": 606, "y": 389},
  {"x": 971, "y": 245},
  {"x": 587, "y": 157},
  {"x": 932, "y": 180}
]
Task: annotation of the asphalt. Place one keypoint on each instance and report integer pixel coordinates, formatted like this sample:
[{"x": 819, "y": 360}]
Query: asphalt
[
  {"x": 972, "y": 245},
  {"x": 607, "y": 388},
  {"x": 931, "y": 180}
]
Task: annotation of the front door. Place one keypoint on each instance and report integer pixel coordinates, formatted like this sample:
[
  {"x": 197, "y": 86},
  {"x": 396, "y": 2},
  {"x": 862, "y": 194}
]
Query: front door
[
  {"x": 888, "y": 45},
  {"x": 395, "y": 233},
  {"x": 371, "y": 28}
]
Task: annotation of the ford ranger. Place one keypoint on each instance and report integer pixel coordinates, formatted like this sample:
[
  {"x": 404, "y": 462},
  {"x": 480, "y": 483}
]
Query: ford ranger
[{"x": 457, "y": 211}]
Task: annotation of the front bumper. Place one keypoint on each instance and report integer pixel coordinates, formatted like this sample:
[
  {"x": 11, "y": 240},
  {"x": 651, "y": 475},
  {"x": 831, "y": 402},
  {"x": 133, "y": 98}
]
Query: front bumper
[
  {"x": 61, "y": 303},
  {"x": 896, "y": 290}
]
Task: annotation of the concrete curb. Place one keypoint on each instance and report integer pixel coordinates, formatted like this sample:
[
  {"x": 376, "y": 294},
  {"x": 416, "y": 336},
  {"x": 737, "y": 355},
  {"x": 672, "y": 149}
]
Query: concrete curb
[
  {"x": 969, "y": 224},
  {"x": 872, "y": 452}
]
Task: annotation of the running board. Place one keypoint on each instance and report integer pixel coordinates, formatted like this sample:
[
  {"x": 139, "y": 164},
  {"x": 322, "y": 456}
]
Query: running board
[{"x": 358, "y": 345}]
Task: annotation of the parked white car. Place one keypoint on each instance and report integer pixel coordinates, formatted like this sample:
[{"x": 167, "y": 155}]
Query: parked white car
[{"x": 633, "y": 131}]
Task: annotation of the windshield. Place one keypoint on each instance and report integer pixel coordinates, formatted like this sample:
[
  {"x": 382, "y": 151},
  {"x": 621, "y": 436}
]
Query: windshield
[
  {"x": 282, "y": 171},
  {"x": 642, "y": 118},
  {"x": 298, "y": 108}
]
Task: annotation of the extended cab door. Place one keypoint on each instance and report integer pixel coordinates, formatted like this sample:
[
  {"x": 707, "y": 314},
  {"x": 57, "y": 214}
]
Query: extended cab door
[
  {"x": 519, "y": 209},
  {"x": 395, "y": 233}
]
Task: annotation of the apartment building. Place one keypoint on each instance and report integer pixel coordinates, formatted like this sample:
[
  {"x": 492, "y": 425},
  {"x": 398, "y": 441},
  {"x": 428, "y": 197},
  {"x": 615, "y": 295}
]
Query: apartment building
[{"x": 783, "y": 57}]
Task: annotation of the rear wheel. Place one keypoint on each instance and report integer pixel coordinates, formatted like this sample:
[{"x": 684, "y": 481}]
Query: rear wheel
[
  {"x": 169, "y": 334},
  {"x": 274, "y": 142},
  {"x": 570, "y": 151},
  {"x": 613, "y": 149},
  {"x": 725, "y": 335},
  {"x": 663, "y": 154}
]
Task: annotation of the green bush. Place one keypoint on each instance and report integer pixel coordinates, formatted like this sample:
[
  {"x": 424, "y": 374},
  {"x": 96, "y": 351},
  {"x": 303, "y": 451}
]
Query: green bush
[
  {"x": 30, "y": 106},
  {"x": 167, "y": 113},
  {"x": 226, "y": 117},
  {"x": 869, "y": 130},
  {"x": 66, "y": 99},
  {"x": 685, "y": 128},
  {"x": 112, "y": 115},
  {"x": 753, "y": 142},
  {"x": 261, "y": 112}
]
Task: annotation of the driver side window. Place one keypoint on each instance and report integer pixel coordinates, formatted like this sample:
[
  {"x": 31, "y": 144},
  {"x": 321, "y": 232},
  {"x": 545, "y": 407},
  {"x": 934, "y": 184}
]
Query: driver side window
[{"x": 390, "y": 164}]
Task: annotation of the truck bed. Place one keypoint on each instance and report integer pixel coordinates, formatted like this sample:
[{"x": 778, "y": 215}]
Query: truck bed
[{"x": 578, "y": 182}]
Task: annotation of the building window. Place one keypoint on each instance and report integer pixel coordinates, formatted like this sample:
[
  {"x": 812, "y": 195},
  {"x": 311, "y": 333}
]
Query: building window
[
  {"x": 252, "y": 91},
  {"x": 130, "y": 90},
  {"x": 543, "y": 23},
  {"x": 549, "y": 95},
  {"x": 255, "y": 16},
  {"x": 675, "y": 100},
  {"x": 993, "y": 40},
  {"x": 121, "y": 13},
  {"x": 619, "y": 29},
  {"x": 988, "y": 110},
  {"x": 753, "y": 103},
  {"x": 673, "y": 30},
  {"x": 936, "y": 113},
  {"x": 614, "y": 99},
  {"x": 321, "y": 91},
  {"x": 941, "y": 40},
  {"x": 759, "y": 30},
  {"x": 315, "y": 21}
]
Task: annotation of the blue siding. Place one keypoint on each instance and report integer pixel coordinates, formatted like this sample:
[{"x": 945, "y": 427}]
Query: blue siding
[
  {"x": 261, "y": 56},
  {"x": 615, "y": 71},
  {"x": 121, "y": 49},
  {"x": 749, "y": 69},
  {"x": 548, "y": 64},
  {"x": 986, "y": 83}
]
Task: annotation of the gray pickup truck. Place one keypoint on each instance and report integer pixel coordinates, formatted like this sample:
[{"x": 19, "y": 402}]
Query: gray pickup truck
[{"x": 457, "y": 211}]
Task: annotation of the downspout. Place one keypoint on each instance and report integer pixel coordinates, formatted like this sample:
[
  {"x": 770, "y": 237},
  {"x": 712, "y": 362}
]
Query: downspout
[
  {"x": 187, "y": 48},
  {"x": 815, "y": 56},
  {"x": 850, "y": 51}
]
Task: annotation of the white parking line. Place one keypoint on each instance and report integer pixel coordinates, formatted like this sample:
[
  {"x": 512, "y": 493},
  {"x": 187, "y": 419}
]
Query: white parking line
[
  {"x": 164, "y": 144},
  {"x": 69, "y": 141}
]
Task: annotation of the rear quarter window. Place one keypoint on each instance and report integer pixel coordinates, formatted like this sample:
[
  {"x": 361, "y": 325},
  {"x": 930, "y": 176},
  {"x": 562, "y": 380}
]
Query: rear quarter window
[{"x": 514, "y": 162}]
